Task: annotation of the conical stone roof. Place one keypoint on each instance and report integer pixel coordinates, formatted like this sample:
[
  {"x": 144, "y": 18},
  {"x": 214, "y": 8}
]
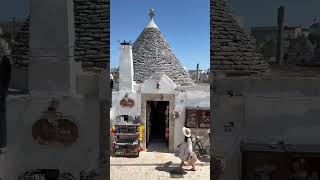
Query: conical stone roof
[
  {"x": 152, "y": 54},
  {"x": 232, "y": 49}
]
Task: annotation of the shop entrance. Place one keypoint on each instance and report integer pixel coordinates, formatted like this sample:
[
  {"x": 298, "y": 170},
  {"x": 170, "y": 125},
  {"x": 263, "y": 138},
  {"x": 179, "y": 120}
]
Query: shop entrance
[{"x": 157, "y": 124}]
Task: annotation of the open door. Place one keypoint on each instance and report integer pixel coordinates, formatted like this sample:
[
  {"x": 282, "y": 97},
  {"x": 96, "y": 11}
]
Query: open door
[{"x": 157, "y": 122}]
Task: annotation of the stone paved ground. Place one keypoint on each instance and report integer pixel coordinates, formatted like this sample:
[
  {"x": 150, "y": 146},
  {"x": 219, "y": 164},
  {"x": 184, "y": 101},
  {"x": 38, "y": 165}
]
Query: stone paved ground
[{"x": 154, "y": 166}]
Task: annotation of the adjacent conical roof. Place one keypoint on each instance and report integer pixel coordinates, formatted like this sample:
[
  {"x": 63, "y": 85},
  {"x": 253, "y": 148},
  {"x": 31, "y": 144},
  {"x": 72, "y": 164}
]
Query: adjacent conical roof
[
  {"x": 151, "y": 53},
  {"x": 232, "y": 49}
]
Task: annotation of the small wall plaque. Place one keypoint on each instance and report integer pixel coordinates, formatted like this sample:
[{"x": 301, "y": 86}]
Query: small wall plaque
[
  {"x": 54, "y": 128},
  {"x": 127, "y": 102}
]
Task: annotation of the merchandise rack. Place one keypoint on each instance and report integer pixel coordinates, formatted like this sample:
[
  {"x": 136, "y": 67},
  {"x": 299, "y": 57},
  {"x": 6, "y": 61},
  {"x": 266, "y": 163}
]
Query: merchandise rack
[{"x": 127, "y": 141}]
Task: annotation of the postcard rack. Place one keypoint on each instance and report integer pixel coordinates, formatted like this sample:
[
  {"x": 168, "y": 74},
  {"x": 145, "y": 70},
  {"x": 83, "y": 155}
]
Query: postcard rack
[{"x": 127, "y": 141}]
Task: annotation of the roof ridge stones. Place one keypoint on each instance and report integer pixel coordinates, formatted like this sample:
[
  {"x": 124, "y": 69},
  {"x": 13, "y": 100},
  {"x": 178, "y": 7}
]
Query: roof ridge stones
[{"x": 151, "y": 54}]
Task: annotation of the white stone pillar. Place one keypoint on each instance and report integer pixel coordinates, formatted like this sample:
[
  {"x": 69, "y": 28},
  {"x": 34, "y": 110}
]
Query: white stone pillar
[
  {"x": 52, "y": 67},
  {"x": 126, "y": 68}
]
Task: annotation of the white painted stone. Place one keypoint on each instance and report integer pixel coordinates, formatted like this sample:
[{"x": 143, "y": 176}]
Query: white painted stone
[
  {"x": 126, "y": 69},
  {"x": 152, "y": 24},
  {"x": 24, "y": 154},
  {"x": 270, "y": 110},
  {"x": 166, "y": 85},
  {"x": 184, "y": 97},
  {"x": 52, "y": 66},
  {"x": 53, "y": 73}
]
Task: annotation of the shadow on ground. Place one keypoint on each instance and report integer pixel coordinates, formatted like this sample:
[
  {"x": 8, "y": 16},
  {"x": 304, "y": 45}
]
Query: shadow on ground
[
  {"x": 113, "y": 155},
  {"x": 172, "y": 170},
  {"x": 158, "y": 145}
]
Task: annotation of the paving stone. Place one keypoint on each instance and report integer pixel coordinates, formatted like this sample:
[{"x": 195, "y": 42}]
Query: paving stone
[{"x": 147, "y": 167}]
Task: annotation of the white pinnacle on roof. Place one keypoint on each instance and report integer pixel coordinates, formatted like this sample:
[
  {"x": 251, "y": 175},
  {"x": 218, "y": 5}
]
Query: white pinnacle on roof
[{"x": 152, "y": 24}]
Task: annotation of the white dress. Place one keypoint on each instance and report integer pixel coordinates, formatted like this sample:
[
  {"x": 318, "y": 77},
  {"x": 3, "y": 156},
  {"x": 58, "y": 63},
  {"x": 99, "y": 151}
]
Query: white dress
[{"x": 185, "y": 149}]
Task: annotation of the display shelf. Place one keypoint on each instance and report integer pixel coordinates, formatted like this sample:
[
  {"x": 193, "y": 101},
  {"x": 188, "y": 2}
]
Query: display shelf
[
  {"x": 130, "y": 144},
  {"x": 126, "y": 139},
  {"x": 127, "y": 134},
  {"x": 127, "y": 125}
]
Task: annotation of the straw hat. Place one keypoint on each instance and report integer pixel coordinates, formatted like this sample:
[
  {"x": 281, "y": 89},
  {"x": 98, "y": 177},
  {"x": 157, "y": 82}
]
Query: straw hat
[{"x": 186, "y": 132}]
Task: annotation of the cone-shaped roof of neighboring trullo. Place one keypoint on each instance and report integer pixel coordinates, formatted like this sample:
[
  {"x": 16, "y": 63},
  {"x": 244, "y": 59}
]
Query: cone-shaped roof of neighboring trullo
[
  {"x": 151, "y": 53},
  {"x": 232, "y": 49}
]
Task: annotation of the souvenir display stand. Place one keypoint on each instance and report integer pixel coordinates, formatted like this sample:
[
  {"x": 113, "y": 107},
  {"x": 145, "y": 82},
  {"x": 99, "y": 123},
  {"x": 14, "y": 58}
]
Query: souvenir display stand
[{"x": 128, "y": 136}]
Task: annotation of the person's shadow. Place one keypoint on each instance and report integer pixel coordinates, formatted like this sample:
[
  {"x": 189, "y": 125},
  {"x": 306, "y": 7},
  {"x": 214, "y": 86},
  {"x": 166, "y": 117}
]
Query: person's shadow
[{"x": 172, "y": 170}]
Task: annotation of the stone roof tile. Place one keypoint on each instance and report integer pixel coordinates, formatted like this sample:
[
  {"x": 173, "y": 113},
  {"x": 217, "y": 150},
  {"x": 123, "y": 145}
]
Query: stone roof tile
[
  {"x": 231, "y": 47},
  {"x": 151, "y": 54}
]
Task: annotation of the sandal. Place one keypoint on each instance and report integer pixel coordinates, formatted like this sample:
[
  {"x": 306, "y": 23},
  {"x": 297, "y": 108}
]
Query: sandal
[{"x": 192, "y": 170}]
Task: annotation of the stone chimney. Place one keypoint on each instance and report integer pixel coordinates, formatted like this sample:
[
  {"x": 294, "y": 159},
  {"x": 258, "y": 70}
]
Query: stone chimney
[
  {"x": 126, "y": 68},
  {"x": 52, "y": 68}
]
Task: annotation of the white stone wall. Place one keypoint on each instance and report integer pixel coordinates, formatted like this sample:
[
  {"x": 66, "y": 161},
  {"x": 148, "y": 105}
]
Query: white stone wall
[
  {"x": 269, "y": 111},
  {"x": 24, "y": 154},
  {"x": 191, "y": 97},
  {"x": 117, "y": 109},
  {"x": 126, "y": 69}
]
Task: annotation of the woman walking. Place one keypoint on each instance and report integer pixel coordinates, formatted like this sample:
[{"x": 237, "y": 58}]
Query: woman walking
[{"x": 186, "y": 153}]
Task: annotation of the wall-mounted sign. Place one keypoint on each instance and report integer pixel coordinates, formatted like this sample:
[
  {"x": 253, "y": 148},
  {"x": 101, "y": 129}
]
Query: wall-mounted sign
[
  {"x": 127, "y": 102},
  {"x": 197, "y": 118},
  {"x": 54, "y": 128},
  {"x": 191, "y": 119}
]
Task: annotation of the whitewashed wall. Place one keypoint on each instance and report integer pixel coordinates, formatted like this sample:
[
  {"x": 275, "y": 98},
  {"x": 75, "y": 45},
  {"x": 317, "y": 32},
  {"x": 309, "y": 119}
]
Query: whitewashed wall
[
  {"x": 24, "y": 154},
  {"x": 269, "y": 111},
  {"x": 23, "y": 111},
  {"x": 117, "y": 109},
  {"x": 192, "y": 97}
]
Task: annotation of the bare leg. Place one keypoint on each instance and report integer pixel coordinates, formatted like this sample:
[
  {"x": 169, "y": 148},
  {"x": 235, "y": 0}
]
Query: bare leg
[{"x": 193, "y": 167}]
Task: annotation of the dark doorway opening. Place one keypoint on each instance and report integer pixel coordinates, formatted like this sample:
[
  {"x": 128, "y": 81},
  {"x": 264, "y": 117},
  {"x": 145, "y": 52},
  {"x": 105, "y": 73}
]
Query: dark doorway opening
[{"x": 157, "y": 123}]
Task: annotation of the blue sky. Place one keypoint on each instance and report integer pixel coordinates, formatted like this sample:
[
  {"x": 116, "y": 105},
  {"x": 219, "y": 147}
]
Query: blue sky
[
  {"x": 13, "y": 8},
  {"x": 183, "y": 23}
]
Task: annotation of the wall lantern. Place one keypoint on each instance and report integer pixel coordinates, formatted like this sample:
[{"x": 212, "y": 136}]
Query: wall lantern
[{"x": 158, "y": 85}]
